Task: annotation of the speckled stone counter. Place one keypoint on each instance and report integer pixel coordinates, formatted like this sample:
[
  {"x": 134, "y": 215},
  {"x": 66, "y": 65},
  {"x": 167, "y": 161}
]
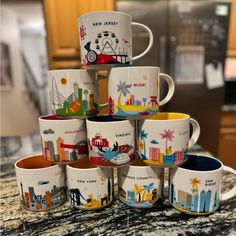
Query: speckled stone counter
[{"x": 117, "y": 219}]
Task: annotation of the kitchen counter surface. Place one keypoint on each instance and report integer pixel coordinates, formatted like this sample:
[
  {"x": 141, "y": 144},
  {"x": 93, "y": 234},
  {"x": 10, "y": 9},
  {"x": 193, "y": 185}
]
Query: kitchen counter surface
[{"x": 117, "y": 219}]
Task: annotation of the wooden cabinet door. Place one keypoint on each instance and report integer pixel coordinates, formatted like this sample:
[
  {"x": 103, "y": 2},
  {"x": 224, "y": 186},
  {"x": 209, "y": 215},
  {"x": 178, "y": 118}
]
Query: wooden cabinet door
[
  {"x": 227, "y": 139},
  {"x": 61, "y": 18},
  {"x": 232, "y": 31},
  {"x": 62, "y": 28}
]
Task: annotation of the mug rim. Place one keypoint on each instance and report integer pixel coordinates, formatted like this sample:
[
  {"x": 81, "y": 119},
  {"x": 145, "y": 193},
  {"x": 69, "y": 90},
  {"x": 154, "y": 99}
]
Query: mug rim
[
  {"x": 95, "y": 12},
  {"x": 94, "y": 168},
  {"x": 143, "y": 166},
  {"x": 135, "y": 67},
  {"x": 202, "y": 171},
  {"x": 53, "y": 165},
  {"x": 66, "y": 70},
  {"x": 168, "y": 120}
]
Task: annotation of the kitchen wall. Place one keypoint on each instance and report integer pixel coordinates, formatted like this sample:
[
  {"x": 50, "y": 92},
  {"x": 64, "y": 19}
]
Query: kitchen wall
[{"x": 18, "y": 114}]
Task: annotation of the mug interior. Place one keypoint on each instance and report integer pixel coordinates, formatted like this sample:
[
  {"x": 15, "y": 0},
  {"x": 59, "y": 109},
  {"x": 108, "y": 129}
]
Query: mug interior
[
  {"x": 137, "y": 162},
  {"x": 34, "y": 162},
  {"x": 85, "y": 164},
  {"x": 53, "y": 117},
  {"x": 168, "y": 116},
  {"x": 104, "y": 119},
  {"x": 201, "y": 163}
]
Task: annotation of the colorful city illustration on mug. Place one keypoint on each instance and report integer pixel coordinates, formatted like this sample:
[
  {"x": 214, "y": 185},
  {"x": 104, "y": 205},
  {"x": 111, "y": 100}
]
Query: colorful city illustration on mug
[
  {"x": 104, "y": 153},
  {"x": 142, "y": 196},
  {"x": 132, "y": 105},
  {"x": 82, "y": 199},
  {"x": 107, "y": 48},
  {"x": 56, "y": 149},
  {"x": 195, "y": 201},
  {"x": 81, "y": 102},
  {"x": 154, "y": 155},
  {"x": 49, "y": 199}
]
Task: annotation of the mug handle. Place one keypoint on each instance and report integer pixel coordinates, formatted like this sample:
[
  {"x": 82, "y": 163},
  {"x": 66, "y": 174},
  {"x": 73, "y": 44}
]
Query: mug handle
[
  {"x": 150, "y": 40},
  {"x": 232, "y": 192},
  {"x": 171, "y": 88},
  {"x": 195, "y": 134}
]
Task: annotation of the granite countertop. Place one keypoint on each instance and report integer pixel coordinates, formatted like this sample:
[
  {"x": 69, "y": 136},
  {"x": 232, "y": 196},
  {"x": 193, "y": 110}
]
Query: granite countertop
[{"x": 116, "y": 219}]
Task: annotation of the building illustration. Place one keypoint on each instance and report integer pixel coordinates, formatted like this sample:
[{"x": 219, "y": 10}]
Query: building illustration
[
  {"x": 52, "y": 198},
  {"x": 91, "y": 201},
  {"x": 155, "y": 153},
  {"x": 196, "y": 201},
  {"x": 140, "y": 196},
  {"x": 61, "y": 152},
  {"x": 79, "y": 102},
  {"x": 131, "y": 105}
]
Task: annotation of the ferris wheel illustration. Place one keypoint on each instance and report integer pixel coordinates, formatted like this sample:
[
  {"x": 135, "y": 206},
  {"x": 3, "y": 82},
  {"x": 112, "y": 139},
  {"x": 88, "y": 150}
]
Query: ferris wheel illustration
[{"x": 106, "y": 42}]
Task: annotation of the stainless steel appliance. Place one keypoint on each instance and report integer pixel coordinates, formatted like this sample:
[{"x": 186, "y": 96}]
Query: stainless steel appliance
[{"x": 189, "y": 37}]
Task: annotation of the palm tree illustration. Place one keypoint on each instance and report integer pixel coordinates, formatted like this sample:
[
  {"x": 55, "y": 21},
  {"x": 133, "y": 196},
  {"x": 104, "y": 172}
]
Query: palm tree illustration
[
  {"x": 138, "y": 189},
  {"x": 122, "y": 89},
  {"x": 194, "y": 182},
  {"x": 143, "y": 136},
  {"x": 167, "y": 135},
  {"x": 144, "y": 101},
  {"x": 148, "y": 189}
]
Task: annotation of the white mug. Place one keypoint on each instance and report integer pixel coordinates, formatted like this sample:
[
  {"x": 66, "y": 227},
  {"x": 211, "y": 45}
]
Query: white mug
[
  {"x": 74, "y": 93},
  {"x": 106, "y": 38},
  {"x": 195, "y": 186},
  {"x": 134, "y": 92},
  {"x": 89, "y": 187},
  {"x": 140, "y": 185},
  {"x": 64, "y": 140},
  {"x": 41, "y": 184},
  {"x": 164, "y": 138},
  {"x": 111, "y": 142}
]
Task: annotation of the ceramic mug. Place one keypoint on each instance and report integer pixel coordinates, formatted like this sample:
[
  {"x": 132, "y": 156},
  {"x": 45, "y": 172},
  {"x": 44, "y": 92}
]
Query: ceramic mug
[
  {"x": 195, "y": 187},
  {"x": 140, "y": 185},
  {"x": 134, "y": 91},
  {"x": 164, "y": 138},
  {"x": 111, "y": 141},
  {"x": 74, "y": 93},
  {"x": 106, "y": 38},
  {"x": 89, "y": 187},
  {"x": 41, "y": 184},
  {"x": 64, "y": 140}
]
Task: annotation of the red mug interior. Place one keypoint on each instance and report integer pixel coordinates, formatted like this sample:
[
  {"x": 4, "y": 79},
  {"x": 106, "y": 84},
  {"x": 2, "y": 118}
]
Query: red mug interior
[
  {"x": 53, "y": 117},
  {"x": 84, "y": 164}
]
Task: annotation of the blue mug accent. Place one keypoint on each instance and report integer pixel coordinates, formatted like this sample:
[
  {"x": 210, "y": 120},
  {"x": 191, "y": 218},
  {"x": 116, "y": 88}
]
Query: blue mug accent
[{"x": 201, "y": 163}]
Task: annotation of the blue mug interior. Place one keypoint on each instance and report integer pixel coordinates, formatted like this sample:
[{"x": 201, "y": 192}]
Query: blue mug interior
[
  {"x": 201, "y": 163},
  {"x": 103, "y": 119}
]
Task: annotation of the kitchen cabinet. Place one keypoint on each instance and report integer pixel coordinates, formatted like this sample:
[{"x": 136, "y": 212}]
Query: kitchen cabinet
[
  {"x": 227, "y": 139},
  {"x": 62, "y": 29},
  {"x": 232, "y": 31}
]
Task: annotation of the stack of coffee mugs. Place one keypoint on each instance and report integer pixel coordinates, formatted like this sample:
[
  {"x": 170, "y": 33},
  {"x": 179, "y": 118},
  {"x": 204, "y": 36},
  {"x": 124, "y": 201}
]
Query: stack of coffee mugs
[{"x": 82, "y": 147}]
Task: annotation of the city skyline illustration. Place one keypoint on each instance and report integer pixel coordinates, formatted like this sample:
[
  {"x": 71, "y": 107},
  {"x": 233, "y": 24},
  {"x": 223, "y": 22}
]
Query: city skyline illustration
[
  {"x": 141, "y": 195},
  {"x": 195, "y": 200},
  {"x": 160, "y": 150},
  {"x": 58, "y": 150},
  {"x": 85, "y": 199},
  {"x": 135, "y": 103},
  {"x": 79, "y": 102},
  {"x": 45, "y": 200}
]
